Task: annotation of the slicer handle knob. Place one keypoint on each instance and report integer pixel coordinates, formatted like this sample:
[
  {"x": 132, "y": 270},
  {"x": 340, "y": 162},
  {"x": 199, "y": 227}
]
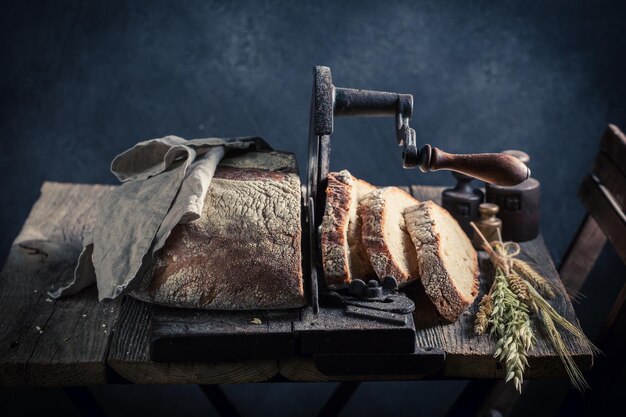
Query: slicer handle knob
[{"x": 494, "y": 168}]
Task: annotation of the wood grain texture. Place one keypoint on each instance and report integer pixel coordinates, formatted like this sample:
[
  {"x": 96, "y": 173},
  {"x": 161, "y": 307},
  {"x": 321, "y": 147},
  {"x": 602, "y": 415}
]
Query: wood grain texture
[
  {"x": 606, "y": 212},
  {"x": 43, "y": 341},
  {"x": 494, "y": 168},
  {"x": 611, "y": 176},
  {"x": 78, "y": 332},
  {"x": 613, "y": 143},
  {"x": 190, "y": 335},
  {"x": 581, "y": 256},
  {"x": 130, "y": 357}
]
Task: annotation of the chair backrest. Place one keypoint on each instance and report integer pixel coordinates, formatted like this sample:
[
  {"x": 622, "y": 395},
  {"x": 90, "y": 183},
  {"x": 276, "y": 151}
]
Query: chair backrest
[{"x": 603, "y": 193}]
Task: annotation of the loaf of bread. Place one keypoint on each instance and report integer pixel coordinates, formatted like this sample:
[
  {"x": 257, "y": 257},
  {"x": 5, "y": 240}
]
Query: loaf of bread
[
  {"x": 244, "y": 252},
  {"x": 343, "y": 254},
  {"x": 385, "y": 236},
  {"x": 447, "y": 262}
]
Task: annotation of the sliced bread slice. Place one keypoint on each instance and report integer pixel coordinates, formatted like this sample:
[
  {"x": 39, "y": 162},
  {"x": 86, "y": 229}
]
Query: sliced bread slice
[
  {"x": 360, "y": 266},
  {"x": 342, "y": 250},
  {"x": 385, "y": 236},
  {"x": 447, "y": 262}
]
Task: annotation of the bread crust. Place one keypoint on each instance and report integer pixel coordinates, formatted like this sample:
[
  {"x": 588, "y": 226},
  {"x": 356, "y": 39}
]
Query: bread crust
[
  {"x": 343, "y": 255},
  {"x": 334, "y": 233},
  {"x": 373, "y": 211},
  {"x": 440, "y": 287},
  {"x": 244, "y": 252}
]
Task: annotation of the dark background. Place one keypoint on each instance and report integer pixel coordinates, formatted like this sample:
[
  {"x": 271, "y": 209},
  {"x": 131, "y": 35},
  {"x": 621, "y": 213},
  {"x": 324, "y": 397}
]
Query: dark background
[{"x": 81, "y": 81}]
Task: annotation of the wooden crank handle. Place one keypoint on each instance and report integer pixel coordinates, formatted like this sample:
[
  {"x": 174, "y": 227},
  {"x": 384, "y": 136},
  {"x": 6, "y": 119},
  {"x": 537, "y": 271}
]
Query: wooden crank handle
[{"x": 494, "y": 168}]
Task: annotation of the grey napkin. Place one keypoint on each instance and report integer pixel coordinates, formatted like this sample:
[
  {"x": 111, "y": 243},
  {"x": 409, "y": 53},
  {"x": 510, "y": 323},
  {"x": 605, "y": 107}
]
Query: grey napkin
[{"x": 164, "y": 183}]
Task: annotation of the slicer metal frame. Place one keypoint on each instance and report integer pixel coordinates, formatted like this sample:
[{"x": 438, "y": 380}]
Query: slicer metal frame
[{"x": 328, "y": 102}]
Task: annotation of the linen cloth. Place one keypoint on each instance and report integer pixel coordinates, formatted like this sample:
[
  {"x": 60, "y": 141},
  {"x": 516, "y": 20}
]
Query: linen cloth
[{"x": 164, "y": 182}]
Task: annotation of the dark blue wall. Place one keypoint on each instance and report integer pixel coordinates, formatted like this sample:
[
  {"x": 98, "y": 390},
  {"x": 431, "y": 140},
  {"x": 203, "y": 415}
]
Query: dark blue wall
[{"x": 81, "y": 81}]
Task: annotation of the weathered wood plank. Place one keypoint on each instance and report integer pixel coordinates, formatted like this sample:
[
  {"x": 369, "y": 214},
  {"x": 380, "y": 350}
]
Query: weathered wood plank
[
  {"x": 129, "y": 356},
  {"x": 606, "y": 212},
  {"x": 613, "y": 143},
  {"x": 471, "y": 356},
  {"x": 612, "y": 177},
  {"x": 581, "y": 256},
  {"x": 187, "y": 335},
  {"x": 47, "y": 342}
]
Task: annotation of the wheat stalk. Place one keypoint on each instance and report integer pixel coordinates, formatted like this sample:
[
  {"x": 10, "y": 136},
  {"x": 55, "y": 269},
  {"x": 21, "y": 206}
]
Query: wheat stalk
[
  {"x": 575, "y": 375},
  {"x": 543, "y": 285},
  {"x": 508, "y": 320},
  {"x": 550, "y": 317},
  {"x": 543, "y": 305},
  {"x": 485, "y": 307},
  {"x": 504, "y": 311},
  {"x": 517, "y": 285},
  {"x": 510, "y": 323}
]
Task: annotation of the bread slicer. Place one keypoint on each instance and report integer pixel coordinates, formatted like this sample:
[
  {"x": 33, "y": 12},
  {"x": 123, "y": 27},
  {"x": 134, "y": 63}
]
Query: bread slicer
[{"x": 365, "y": 329}]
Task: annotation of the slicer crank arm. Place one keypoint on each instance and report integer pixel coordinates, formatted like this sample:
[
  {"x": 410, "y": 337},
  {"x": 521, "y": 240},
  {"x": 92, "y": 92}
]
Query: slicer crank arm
[{"x": 494, "y": 168}]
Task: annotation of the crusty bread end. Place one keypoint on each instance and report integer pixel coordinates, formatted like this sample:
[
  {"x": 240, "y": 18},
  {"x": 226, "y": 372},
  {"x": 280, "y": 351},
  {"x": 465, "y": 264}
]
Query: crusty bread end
[
  {"x": 343, "y": 255},
  {"x": 334, "y": 233}
]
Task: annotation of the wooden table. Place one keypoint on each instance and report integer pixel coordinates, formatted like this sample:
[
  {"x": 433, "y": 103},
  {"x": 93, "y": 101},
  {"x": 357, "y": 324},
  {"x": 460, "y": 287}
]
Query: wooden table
[{"x": 80, "y": 341}]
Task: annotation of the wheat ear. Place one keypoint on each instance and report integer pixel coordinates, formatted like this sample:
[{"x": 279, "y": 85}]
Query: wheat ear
[
  {"x": 481, "y": 324},
  {"x": 544, "y": 286}
]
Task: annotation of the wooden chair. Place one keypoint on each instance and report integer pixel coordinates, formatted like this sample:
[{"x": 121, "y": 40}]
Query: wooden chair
[{"x": 603, "y": 193}]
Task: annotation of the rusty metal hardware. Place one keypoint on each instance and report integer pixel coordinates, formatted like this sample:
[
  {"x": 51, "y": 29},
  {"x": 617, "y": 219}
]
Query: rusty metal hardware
[
  {"x": 329, "y": 102},
  {"x": 373, "y": 300},
  {"x": 462, "y": 201},
  {"x": 519, "y": 205},
  {"x": 373, "y": 290}
]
